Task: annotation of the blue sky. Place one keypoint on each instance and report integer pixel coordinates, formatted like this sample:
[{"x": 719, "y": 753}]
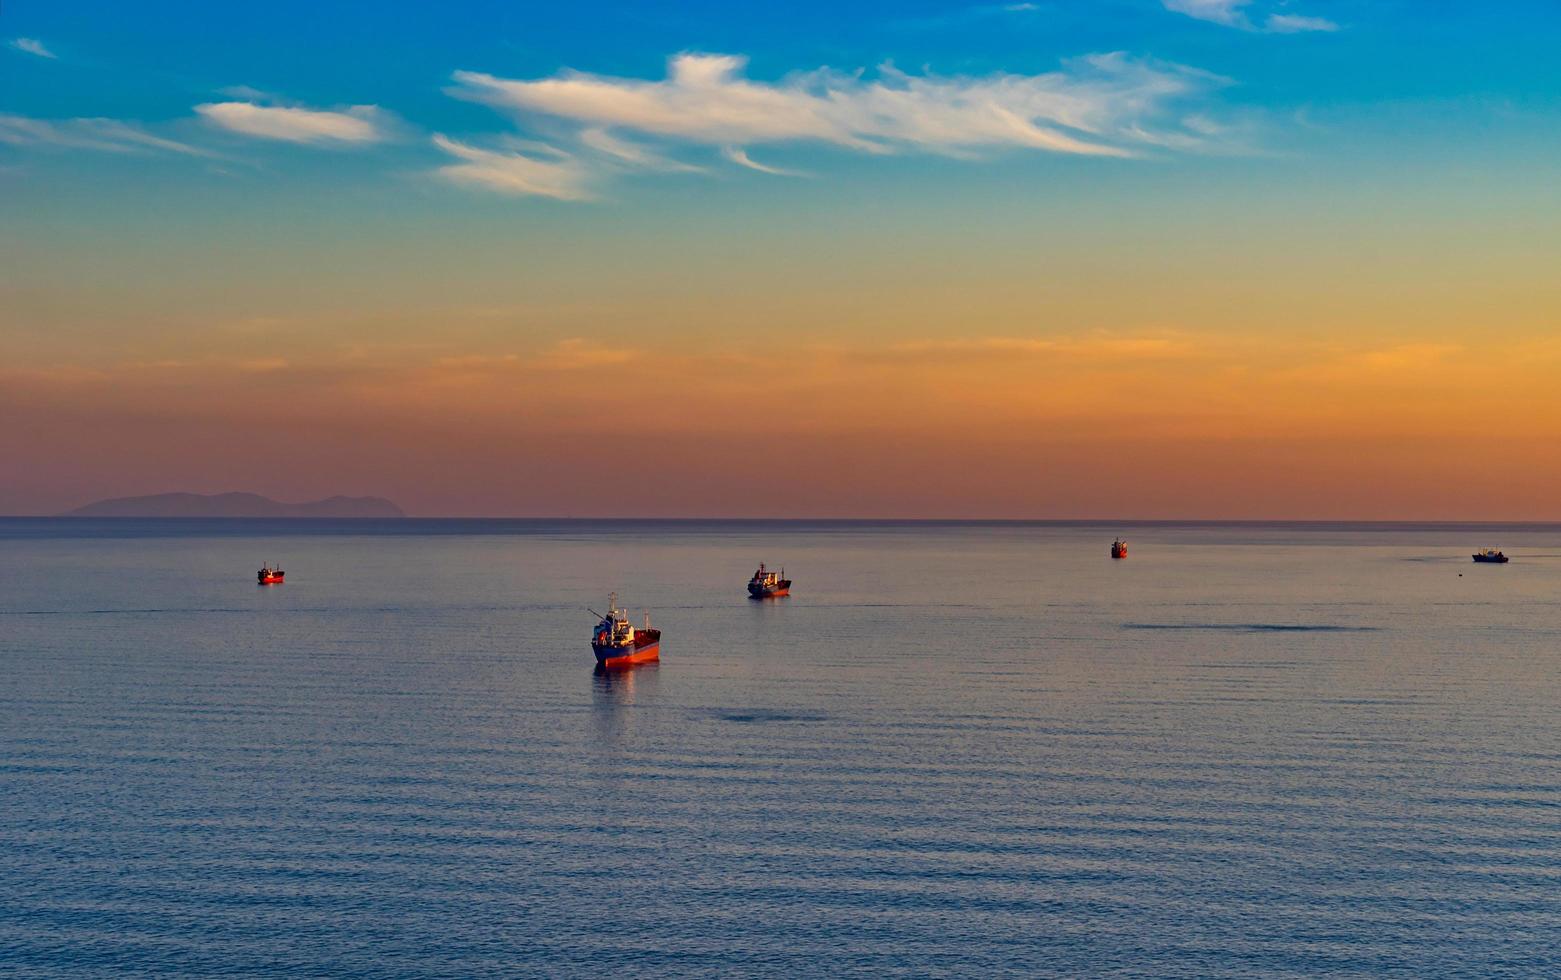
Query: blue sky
[
  {"x": 1383, "y": 71},
  {"x": 129, "y": 119}
]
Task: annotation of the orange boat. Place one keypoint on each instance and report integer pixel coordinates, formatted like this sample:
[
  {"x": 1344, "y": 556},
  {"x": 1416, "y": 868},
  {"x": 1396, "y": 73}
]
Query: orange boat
[
  {"x": 269, "y": 575},
  {"x": 617, "y": 643},
  {"x": 1119, "y": 548}
]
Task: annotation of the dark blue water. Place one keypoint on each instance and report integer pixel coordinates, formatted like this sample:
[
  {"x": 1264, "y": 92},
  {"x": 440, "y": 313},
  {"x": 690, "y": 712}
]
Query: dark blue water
[{"x": 1251, "y": 751}]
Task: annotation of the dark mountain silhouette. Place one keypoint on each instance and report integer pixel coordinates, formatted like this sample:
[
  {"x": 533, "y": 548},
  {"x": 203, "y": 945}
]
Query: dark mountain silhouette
[{"x": 235, "y": 505}]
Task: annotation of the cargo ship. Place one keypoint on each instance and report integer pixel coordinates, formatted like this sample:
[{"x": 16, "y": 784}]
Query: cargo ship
[
  {"x": 269, "y": 575},
  {"x": 618, "y": 643},
  {"x": 1490, "y": 556},
  {"x": 766, "y": 584},
  {"x": 1119, "y": 548}
]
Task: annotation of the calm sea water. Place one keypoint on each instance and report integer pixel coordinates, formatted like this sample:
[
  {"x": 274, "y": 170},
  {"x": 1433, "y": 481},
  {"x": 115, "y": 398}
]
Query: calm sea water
[{"x": 1255, "y": 751}]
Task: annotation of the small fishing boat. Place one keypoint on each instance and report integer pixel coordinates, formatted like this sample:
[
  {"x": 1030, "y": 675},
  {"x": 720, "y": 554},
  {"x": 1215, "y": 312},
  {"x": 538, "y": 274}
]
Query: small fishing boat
[
  {"x": 1119, "y": 548},
  {"x": 1490, "y": 556},
  {"x": 618, "y": 643},
  {"x": 269, "y": 575},
  {"x": 766, "y": 584}
]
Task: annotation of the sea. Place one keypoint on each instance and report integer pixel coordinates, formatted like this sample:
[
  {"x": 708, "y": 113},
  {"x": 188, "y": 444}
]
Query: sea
[{"x": 957, "y": 749}]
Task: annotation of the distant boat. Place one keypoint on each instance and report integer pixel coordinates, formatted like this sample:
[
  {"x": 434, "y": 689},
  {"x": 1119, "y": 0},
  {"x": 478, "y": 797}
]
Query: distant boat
[
  {"x": 1490, "y": 556},
  {"x": 1119, "y": 548},
  {"x": 269, "y": 575},
  {"x": 617, "y": 643},
  {"x": 766, "y": 584}
]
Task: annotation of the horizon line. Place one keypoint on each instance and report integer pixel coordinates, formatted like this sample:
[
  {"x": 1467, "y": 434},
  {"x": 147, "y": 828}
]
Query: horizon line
[{"x": 1077, "y": 521}]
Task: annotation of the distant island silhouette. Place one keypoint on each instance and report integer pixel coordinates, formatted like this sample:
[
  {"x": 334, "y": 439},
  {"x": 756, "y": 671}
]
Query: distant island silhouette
[{"x": 234, "y": 505}]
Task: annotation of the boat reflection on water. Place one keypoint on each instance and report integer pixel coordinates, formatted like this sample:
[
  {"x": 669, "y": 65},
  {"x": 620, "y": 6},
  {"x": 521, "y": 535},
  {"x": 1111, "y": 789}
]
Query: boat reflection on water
[
  {"x": 617, "y": 686},
  {"x": 621, "y": 716}
]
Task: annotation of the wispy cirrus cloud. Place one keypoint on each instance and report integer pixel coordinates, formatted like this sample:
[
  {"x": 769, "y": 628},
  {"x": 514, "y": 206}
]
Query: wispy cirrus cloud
[
  {"x": 706, "y": 99},
  {"x": 1298, "y": 24},
  {"x": 104, "y": 135},
  {"x": 33, "y": 46},
  {"x": 1227, "y": 12},
  {"x": 1235, "y": 13},
  {"x": 551, "y": 173},
  {"x": 632, "y": 154},
  {"x": 1107, "y": 105},
  {"x": 739, "y": 156},
  {"x": 354, "y": 125}
]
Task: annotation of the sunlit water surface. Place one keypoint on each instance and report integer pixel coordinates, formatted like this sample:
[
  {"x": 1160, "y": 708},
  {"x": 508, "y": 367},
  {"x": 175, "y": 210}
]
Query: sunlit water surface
[{"x": 1275, "y": 751}]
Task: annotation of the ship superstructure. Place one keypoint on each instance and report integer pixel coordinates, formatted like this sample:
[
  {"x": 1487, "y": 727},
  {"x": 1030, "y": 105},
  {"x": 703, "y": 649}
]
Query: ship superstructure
[
  {"x": 619, "y": 643},
  {"x": 766, "y": 584}
]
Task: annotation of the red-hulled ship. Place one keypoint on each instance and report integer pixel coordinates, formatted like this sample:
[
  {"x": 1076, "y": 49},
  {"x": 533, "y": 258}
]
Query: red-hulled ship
[
  {"x": 766, "y": 584},
  {"x": 269, "y": 575},
  {"x": 1119, "y": 548},
  {"x": 618, "y": 643}
]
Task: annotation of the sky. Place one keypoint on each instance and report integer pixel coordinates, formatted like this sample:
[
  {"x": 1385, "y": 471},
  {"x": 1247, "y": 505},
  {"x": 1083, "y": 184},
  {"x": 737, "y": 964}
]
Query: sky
[{"x": 1204, "y": 259}]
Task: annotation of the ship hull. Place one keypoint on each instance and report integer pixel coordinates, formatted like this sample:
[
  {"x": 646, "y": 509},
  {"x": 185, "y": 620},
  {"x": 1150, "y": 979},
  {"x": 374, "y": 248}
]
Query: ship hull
[
  {"x": 270, "y": 580},
  {"x": 1491, "y": 559},
  {"x": 773, "y": 592},
  {"x": 645, "y": 649}
]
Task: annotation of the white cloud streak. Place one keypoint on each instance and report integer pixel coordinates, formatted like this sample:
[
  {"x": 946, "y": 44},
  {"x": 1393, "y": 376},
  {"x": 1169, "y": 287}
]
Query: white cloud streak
[
  {"x": 1227, "y": 12},
  {"x": 103, "y": 135},
  {"x": 563, "y": 177},
  {"x": 742, "y": 159},
  {"x": 705, "y": 99},
  {"x": 356, "y": 125},
  {"x": 1233, "y": 13},
  {"x": 33, "y": 46},
  {"x": 632, "y": 155},
  {"x": 1104, "y": 105},
  {"x": 1296, "y": 24}
]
